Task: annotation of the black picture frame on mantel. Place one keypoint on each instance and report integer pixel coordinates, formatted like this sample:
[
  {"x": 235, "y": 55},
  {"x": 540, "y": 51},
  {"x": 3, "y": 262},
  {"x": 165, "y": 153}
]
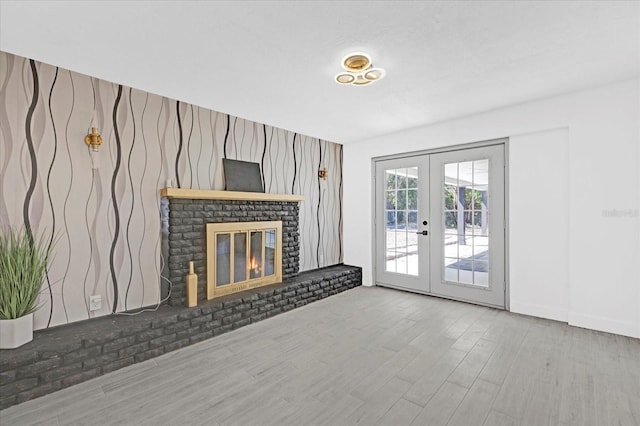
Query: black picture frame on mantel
[{"x": 242, "y": 176}]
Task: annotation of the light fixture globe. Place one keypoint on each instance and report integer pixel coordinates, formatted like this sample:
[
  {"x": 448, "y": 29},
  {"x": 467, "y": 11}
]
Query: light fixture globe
[
  {"x": 345, "y": 78},
  {"x": 359, "y": 70},
  {"x": 356, "y": 62},
  {"x": 374, "y": 74}
]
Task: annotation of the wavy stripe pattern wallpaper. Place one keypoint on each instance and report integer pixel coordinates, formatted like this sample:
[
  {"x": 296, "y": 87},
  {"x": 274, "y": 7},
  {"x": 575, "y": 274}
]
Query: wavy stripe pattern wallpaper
[{"x": 104, "y": 210}]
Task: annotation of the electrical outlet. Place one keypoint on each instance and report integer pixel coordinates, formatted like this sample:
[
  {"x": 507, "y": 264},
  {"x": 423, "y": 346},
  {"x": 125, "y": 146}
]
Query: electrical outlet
[{"x": 95, "y": 303}]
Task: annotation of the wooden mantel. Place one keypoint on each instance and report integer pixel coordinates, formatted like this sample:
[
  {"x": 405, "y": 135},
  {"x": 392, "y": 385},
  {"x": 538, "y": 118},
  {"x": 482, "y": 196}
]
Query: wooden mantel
[{"x": 205, "y": 194}]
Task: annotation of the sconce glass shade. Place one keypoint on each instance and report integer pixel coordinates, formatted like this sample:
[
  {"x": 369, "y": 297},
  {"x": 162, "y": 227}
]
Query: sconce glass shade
[{"x": 95, "y": 159}]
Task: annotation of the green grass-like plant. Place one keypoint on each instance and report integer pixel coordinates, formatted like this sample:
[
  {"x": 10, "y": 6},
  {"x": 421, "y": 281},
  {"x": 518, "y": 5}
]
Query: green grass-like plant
[{"x": 23, "y": 264}]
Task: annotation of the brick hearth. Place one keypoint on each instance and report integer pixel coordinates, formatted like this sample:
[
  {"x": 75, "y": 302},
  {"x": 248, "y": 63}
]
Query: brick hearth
[{"x": 62, "y": 356}]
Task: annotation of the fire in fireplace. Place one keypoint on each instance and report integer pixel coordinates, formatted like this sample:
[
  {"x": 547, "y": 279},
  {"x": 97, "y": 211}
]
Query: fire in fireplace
[{"x": 243, "y": 255}]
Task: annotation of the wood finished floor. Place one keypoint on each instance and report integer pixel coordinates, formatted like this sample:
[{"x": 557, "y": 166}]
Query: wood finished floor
[{"x": 369, "y": 356}]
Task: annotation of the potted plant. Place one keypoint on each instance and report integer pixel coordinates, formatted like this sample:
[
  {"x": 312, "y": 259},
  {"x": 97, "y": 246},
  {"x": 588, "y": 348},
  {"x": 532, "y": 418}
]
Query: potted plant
[{"x": 23, "y": 264}]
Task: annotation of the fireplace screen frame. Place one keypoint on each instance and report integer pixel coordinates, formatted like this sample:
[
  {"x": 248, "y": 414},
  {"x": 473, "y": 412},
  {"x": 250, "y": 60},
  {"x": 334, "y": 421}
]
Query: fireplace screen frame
[{"x": 232, "y": 228}]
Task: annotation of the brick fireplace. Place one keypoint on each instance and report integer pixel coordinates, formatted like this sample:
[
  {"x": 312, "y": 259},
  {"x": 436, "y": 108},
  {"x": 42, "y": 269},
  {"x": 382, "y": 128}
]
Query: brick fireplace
[{"x": 189, "y": 211}]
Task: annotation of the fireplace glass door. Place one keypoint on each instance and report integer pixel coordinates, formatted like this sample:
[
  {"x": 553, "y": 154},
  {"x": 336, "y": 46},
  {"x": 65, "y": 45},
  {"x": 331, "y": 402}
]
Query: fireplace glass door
[{"x": 242, "y": 256}]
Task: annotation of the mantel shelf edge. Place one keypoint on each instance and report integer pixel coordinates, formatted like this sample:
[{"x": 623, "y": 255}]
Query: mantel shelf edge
[{"x": 205, "y": 194}]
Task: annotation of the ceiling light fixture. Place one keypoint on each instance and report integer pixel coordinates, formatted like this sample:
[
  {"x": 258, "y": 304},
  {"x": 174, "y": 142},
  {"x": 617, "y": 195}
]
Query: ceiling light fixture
[{"x": 359, "y": 70}]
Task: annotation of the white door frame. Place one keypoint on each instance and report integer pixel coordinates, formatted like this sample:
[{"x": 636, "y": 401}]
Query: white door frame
[{"x": 500, "y": 141}]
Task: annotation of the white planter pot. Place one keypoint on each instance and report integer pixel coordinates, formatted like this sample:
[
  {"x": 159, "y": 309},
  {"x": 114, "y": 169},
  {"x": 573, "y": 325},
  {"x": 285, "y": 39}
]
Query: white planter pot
[{"x": 16, "y": 332}]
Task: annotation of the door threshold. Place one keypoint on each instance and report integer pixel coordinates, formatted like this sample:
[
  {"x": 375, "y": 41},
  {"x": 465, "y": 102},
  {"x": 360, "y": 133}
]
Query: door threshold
[{"x": 426, "y": 293}]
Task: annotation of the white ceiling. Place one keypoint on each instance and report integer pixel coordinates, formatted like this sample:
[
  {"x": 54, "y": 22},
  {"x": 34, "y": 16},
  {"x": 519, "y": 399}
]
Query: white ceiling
[{"x": 274, "y": 61}]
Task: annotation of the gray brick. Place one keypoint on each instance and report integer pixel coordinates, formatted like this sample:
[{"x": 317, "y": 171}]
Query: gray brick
[
  {"x": 149, "y": 334},
  {"x": 7, "y": 377},
  {"x": 81, "y": 354},
  {"x": 249, "y": 313},
  {"x": 19, "y": 386},
  {"x": 210, "y": 309},
  {"x": 116, "y": 365},
  {"x": 190, "y": 313},
  {"x": 176, "y": 345},
  {"x": 258, "y": 317},
  {"x": 188, "y": 332},
  {"x": 201, "y": 320},
  {"x": 172, "y": 319},
  {"x": 180, "y": 214},
  {"x": 231, "y": 318},
  {"x": 7, "y": 401},
  {"x": 222, "y": 313},
  {"x": 102, "y": 338},
  {"x": 38, "y": 391},
  {"x": 133, "y": 349},
  {"x": 161, "y": 341},
  {"x": 232, "y": 303},
  {"x": 38, "y": 367},
  {"x": 180, "y": 229},
  {"x": 80, "y": 377},
  {"x": 211, "y": 325},
  {"x": 60, "y": 372},
  {"x": 222, "y": 329},
  {"x": 241, "y": 323},
  {"x": 149, "y": 354},
  {"x": 179, "y": 326},
  {"x": 101, "y": 360},
  {"x": 241, "y": 307},
  {"x": 8, "y": 363},
  {"x": 201, "y": 336},
  {"x": 118, "y": 344}
]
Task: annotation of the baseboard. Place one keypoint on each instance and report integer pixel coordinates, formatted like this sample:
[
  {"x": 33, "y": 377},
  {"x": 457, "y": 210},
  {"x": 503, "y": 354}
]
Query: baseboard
[
  {"x": 624, "y": 328},
  {"x": 550, "y": 312}
]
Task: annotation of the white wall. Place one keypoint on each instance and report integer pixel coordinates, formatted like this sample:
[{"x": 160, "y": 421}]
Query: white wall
[
  {"x": 582, "y": 262},
  {"x": 539, "y": 223}
]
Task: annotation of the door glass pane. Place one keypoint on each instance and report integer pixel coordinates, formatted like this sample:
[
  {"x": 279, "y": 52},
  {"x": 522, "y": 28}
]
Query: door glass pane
[
  {"x": 255, "y": 251},
  {"x": 450, "y": 225},
  {"x": 401, "y": 205},
  {"x": 465, "y": 222},
  {"x": 223, "y": 259},
  {"x": 450, "y": 197},
  {"x": 401, "y": 176},
  {"x": 239, "y": 256},
  {"x": 412, "y": 199},
  {"x": 390, "y": 179},
  {"x": 401, "y": 197},
  {"x": 390, "y": 197},
  {"x": 412, "y": 222},
  {"x": 270, "y": 252},
  {"x": 412, "y": 177}
]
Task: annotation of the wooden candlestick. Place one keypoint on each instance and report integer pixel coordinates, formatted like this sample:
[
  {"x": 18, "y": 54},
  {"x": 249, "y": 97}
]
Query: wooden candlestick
[{"x": 192, "y": 287}]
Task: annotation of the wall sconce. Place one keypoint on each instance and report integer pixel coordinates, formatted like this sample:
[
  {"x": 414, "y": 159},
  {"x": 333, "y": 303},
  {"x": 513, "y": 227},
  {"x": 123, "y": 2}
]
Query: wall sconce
[
  {"x": 93, "y": 139},
  {"x": 322, "y": 173}
]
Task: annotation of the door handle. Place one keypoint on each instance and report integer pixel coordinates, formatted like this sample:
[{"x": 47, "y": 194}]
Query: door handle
[{"x": 423, "y": 233}]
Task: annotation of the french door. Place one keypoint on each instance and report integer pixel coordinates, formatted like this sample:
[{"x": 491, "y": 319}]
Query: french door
[{"x": 440, "y": 224}]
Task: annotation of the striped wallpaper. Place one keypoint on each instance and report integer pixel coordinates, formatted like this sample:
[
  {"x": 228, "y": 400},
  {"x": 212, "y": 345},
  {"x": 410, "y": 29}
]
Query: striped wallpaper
[{"x": 104, "y": 210}]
